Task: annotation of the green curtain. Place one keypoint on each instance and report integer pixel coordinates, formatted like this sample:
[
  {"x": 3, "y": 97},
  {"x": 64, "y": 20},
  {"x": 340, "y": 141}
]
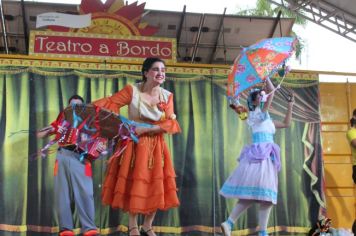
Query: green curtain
[{"x": 204, "y": 154}]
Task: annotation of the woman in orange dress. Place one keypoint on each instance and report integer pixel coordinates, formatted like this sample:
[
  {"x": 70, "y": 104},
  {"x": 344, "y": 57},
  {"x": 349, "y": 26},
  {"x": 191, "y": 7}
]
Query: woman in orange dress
[{"x": 141, "y": 179}]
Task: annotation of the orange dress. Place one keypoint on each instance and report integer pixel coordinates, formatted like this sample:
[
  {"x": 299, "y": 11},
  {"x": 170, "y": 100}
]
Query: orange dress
[{"x": 142, "y": 178}]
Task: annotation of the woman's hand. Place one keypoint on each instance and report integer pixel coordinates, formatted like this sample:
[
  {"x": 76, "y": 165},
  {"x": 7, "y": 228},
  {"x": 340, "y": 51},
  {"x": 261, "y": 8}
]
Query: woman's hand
[
  {"x": 291, "y": 99},
  {"x": 240, "y": 109},
  {"x": 155, "y": 129},
  {"x": 101, "y": 147},
  {"x": 141, "y": 130},
  {"x": 62, "y": 129},
  {"x": 44, "y": 132}
]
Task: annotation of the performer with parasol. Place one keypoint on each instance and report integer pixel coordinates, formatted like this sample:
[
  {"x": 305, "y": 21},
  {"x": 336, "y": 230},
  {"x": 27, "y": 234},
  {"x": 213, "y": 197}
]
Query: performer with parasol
[
  {"x": 140, "y": 177},
  {"x": 73, "y": 181},
  {"x": 351, "y": 137},
  {"x": 255, "y": 180}
]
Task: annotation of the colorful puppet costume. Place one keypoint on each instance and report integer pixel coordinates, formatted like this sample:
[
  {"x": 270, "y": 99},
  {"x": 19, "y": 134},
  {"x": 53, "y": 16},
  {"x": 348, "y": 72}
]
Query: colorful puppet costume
[
  {"x": 256, "y": 177},
  {"x": 140, "y": 177}
]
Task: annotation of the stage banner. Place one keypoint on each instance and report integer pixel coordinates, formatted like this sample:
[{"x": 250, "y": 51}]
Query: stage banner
[{"x": 100, "y": 46}]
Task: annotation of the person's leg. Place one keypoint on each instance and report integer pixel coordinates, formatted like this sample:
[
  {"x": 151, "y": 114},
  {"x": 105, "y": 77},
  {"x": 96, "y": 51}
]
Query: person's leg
[
  {"x": 62, "y": 196},
  {"x": 263, "y": 216},
  {"x": 239, "y": 208},
  {"x": 82, "y": 182},
  {"x": 133, "y": 227},
  {"x": 147, "y": 225}
]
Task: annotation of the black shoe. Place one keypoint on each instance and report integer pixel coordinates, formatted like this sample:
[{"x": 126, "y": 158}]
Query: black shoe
[
  {"x": 145, "y": 232},
  {"x": 129, "y": 232}
]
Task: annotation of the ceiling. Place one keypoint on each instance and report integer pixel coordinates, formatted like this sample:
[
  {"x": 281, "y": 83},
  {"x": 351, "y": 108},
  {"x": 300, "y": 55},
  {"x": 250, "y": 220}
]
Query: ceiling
[
  {"x": 201, "y": 38},
  {"x": 338, "y": 16}
]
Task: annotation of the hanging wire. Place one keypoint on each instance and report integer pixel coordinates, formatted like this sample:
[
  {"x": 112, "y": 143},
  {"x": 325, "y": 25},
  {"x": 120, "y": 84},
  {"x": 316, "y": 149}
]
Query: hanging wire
[
  {"x": 22, "y": 131},
  {"x": 224, "y": 45},
  {"x": 280, "y": 25},
  {"x": 186, "y": 40}
]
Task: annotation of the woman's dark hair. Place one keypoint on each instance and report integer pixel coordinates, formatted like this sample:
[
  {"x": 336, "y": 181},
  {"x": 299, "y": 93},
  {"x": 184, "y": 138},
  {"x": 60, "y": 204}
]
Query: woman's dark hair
[
  {"x": 252, "y": 98},
  {"x": 75, "y": 96},
  {"x": 353, "y": 119},
  {"x": 147, "y": 64}
]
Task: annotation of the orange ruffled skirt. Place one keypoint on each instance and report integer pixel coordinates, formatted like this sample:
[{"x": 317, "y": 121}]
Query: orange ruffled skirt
[{"x": 142, "y": 178}]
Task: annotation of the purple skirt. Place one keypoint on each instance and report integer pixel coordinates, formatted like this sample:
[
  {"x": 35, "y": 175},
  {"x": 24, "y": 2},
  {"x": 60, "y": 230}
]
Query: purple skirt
[{"x": 256, "y": 177}]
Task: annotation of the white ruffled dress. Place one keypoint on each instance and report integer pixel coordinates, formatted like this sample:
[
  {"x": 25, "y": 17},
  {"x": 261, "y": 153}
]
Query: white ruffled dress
[{"x": 256, "y": 177}]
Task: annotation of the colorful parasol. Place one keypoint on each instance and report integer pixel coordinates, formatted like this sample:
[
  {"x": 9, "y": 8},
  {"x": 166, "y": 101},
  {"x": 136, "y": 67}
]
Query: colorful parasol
[{"x": 258, "y": 62}]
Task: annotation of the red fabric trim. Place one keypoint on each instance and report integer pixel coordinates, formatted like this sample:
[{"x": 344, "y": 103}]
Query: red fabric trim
[
  {"x": 55, "y": 170},
  {"x": 88, "y": 170}
]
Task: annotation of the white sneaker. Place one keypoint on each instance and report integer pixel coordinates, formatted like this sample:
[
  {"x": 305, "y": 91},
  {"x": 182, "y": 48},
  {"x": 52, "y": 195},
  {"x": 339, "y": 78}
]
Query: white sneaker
[
  {"x": 225, "y": 228},
  {"x": 263, "y": 233}
]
